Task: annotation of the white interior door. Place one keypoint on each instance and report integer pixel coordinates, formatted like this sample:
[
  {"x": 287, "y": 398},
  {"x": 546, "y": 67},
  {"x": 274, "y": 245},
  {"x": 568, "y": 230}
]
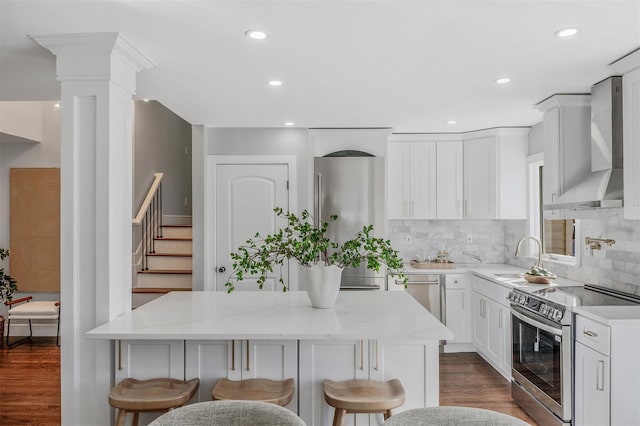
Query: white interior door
[{"x": 246, "y": 195}]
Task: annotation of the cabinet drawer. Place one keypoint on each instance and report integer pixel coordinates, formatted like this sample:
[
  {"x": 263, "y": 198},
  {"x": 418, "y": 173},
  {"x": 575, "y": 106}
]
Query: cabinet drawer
[
  {"x": 456, "y": 281},
  {"x": 592, "y": 334}
]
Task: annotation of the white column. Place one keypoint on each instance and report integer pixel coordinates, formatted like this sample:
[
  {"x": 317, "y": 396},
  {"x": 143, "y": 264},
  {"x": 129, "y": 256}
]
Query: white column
[{"x": 98, "y": 75}]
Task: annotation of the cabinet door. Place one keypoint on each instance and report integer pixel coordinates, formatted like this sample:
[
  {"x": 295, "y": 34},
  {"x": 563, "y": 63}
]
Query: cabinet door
[
  {"x": 480, "y": 330},
  {"x": 631, "y": 141},
  {"x": 422, "y": 203},
  {"x": 149, "y": 359},
  {"x": 211, "y": 360},
  {"x": 398, "y": 189},
  {"x": 414, "y": 364},
  {"x": 507, "y": 348},
  {"x": 494, "y": 323},
  {"x": 456, "y": 315},
  {"x": 480, "y": 178},
  {"x": 449, "y": 180},
  {"x": 551, "y": 170},
  {"x": 592, "y": 392},
  {"x": 271, "y": 359},
  {"x": 333, "y": 360}
]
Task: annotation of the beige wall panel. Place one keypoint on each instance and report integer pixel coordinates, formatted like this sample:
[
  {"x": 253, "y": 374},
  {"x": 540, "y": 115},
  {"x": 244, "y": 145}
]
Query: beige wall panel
[{"x": 35, "y": 229}]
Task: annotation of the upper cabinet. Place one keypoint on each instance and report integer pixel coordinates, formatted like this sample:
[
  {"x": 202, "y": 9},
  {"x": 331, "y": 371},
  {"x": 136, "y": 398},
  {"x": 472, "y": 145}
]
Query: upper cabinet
[
  {"x": 567, "y": 151},
  {"x": 495, "y": 174},
  {"x": 477, "y": 175},
  {"x": 629, "y": 66},
  {"x": 411, "y": 180},
  {"x": 450, "y": 183},
  {"x": 424, "y": 177}
]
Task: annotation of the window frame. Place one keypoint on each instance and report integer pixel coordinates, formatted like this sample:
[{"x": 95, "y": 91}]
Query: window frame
[{"x": 535, "y": 218}]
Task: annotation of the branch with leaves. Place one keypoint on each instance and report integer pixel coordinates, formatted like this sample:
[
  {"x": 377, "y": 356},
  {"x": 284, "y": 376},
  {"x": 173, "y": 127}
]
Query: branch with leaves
[
  {"x": 8, "y": 285},
  {"x": 302, "y": 241}
]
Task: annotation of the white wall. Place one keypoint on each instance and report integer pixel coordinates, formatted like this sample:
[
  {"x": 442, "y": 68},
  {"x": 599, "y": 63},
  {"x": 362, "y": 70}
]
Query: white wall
[
  {"x": 25, "y": 154},
  {"x": 536, "y": 139}
]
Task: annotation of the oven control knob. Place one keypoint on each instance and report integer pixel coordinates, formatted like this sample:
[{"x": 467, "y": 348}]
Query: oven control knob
[
  {"x": 522, "y": 300},
  {"x": 557, "y": 315},
  {"x": 544, "y": 309}
]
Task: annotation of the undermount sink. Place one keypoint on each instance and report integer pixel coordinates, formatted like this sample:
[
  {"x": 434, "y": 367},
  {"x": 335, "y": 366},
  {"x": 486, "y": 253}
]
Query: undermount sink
[{"x": 508, "y": 275}]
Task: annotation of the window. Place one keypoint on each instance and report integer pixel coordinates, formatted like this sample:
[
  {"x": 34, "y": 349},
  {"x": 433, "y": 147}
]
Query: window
[{"x": 558, "y": 236}]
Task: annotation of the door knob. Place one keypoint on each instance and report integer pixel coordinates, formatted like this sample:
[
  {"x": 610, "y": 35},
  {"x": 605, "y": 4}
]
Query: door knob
[{"x": 222, "y": 269}]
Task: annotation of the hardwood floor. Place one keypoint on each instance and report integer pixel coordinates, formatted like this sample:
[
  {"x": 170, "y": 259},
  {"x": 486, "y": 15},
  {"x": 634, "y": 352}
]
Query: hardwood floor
[
  {"x": 30, "y": 384},
  {"x": 467, "y": 380}
]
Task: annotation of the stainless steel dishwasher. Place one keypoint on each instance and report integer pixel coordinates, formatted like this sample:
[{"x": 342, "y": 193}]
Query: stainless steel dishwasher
[{"x": 427, "y": 289}]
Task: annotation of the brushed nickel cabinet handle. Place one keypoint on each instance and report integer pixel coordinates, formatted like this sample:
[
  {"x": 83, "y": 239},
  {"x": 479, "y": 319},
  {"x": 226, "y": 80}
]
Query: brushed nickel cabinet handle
[
  {"x": 600, "y": 376},
  {"x": 233, "y": 355},
  {"x": 377, "y": 357},
  {"x": 120, "y": 355},
  {"x": 248, "y": 357},
  {"x": 362, "y": 355},
  {"x": 590, "y": 333}
]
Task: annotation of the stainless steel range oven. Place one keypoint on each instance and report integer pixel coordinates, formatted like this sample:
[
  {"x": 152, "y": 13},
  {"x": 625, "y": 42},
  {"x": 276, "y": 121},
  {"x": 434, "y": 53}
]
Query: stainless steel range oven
[{"x": 542, "y": 347}]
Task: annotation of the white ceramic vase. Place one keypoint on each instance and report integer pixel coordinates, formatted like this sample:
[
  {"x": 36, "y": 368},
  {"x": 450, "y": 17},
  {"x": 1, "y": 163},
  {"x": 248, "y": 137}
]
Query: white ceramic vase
[{"x": 323, "y": 284}]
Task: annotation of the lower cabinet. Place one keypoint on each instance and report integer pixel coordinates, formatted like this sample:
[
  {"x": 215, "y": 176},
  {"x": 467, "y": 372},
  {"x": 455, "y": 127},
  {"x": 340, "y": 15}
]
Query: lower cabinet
[
  {"x": 457, "y": 316},
  {"x": 411, "y": 363},
  {"x": 491, "y": 324},
  {"x": 606, "y": 375},
  {"x": 239, "y": 360}
]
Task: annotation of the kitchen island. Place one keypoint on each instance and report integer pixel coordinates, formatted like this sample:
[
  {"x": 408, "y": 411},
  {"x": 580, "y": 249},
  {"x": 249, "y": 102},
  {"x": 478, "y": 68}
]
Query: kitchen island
[{"x": 367, "y": 335}]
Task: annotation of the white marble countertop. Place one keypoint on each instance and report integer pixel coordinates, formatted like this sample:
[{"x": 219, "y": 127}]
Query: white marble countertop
[
  {"x": 275, "y": 315},
  {"x": 610, "y": 315}
]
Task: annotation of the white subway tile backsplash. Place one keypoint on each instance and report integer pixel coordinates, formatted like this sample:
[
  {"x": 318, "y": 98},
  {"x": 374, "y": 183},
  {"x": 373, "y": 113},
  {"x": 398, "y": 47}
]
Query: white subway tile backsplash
[{"x": 616, "y": 266}]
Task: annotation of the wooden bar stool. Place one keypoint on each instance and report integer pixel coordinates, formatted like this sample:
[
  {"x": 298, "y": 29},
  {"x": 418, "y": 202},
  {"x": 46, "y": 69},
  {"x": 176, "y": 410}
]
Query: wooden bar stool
[
  {"x": 278, "y": 392},
  {"x": 363, "y": 396},
  {"x": 136, "y": 396}
]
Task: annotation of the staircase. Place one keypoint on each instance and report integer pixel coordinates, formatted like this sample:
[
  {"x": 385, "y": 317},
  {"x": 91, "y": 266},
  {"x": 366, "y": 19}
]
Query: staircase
[{"x": 169, "y": 268}]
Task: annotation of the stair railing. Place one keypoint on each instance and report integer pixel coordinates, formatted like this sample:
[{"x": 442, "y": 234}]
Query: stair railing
[{"x": 149, "y": 218}]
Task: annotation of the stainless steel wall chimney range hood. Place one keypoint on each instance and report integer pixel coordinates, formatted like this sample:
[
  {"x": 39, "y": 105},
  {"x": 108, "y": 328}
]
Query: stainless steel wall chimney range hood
[{"x": 603, "y": 186}]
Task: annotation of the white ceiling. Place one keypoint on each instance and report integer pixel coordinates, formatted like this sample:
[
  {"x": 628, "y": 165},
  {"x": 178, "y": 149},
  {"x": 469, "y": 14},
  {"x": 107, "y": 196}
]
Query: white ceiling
[{"x": 409, "y": 65}]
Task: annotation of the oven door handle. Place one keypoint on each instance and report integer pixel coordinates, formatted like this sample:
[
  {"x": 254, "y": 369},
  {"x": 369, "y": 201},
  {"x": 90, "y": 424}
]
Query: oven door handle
[{"x": 538, "y": 324}]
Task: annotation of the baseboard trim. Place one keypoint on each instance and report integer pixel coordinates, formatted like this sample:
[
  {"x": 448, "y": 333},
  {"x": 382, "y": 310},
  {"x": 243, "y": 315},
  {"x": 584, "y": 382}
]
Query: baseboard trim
[{"x": 39, "y": 330}]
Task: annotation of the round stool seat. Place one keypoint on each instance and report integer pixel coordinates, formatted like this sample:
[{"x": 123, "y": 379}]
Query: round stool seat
[
  {"x": 278, "y": 392},
  {"x": 363, "y": 396},
  {"x": 131, "y": 395}
]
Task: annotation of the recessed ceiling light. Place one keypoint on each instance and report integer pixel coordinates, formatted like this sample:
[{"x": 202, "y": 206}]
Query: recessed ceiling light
[
  {"x": 145, "y": 100},
  {"x": 451, "y": 122},
  {"x": 288, "y": 123},
  {"x": 566, "y": 32},
  {"x": 275, "y": 83},
  {"x": 503, "y": 80},
  {"x": 56, "y": 105},
  {"x": 256, "y": 34}
]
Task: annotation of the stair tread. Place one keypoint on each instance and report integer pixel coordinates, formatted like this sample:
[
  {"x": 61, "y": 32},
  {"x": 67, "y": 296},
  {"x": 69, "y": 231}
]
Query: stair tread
[
  {"x": 173, "y": 238},
  {"x": 177, "y": 226},
  {"x": 166, "y": 271},
  {"x": 171, "y": 254},
  {"x": 157, "y": 289}
]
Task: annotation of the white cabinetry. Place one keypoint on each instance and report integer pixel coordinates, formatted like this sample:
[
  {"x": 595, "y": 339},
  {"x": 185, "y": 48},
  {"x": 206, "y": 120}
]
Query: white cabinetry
[
  {"x": 491, "y": 324},
  {"x": 364, "y": 359},
  {"x": 495, "y": 174},
  {"x": 607, "y": 381},
  {"x": 449, "y": 179},
  {"x": 457, "y": 315},
  {"x": 411, "y": 180},
  {"x": 567, "y": 150},
  {"x": 210, "y": 360},
  {"x": 630, "y": 67}
]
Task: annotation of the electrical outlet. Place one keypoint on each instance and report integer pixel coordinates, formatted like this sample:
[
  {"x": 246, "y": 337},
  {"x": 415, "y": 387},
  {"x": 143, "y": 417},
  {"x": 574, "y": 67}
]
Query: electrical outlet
[
  {"x": 469, "y": 239},
  {"x": 408, "y": 239}
]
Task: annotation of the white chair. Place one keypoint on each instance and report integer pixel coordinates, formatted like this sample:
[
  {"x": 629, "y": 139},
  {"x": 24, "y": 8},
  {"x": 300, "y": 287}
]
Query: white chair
[{"x": 26, "y": 310}]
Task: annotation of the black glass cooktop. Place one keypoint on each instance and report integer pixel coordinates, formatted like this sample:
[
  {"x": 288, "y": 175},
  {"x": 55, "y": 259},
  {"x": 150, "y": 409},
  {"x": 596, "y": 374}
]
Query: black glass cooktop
[{"x": 584, "y": 296}]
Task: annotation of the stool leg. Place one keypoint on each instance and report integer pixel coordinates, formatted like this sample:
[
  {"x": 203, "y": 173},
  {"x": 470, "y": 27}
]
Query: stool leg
[
  {"x": 338, "y": 417},
  {"x": 122, "y": 417},
  {"x": 387, "y": 414},
  {"x": 136, "y": 416}
]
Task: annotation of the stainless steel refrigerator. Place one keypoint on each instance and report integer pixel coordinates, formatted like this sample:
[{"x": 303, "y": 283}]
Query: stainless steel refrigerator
[{"x": 353, "y": 188}]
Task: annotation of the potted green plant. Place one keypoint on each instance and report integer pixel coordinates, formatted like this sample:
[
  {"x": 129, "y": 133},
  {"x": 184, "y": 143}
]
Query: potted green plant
[
  {"x": 8, "y": 285},
  {"x": 322, "y": 260}
]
